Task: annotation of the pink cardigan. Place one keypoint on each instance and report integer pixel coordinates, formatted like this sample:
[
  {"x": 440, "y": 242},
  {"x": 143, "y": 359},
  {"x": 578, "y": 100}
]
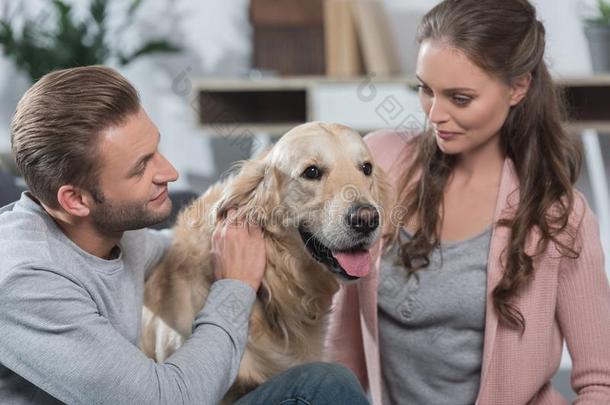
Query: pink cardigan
[{"x": 567, "y": 299}]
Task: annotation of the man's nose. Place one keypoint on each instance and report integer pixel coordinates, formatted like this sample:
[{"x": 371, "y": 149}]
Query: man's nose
[{"x": 166, "y": 173}]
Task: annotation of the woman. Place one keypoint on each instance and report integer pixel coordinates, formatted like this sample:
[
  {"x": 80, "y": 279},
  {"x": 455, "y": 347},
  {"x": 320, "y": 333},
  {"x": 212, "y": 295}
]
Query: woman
[{"x": 498, "y": 258}]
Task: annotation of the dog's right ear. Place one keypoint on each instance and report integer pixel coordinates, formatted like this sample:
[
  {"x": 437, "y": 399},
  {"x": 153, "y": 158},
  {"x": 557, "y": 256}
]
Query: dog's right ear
[
  {"x": 250, "y": 191},
  {"x": 241, "y": 187}
]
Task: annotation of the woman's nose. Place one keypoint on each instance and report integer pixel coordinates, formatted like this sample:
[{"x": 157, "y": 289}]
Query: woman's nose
[{"x": 438, "y": 113}]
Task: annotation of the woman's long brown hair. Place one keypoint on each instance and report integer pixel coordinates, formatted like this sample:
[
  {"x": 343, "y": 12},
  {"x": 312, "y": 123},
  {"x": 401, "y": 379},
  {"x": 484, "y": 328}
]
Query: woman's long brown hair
[{"x": 505, "y": 39}]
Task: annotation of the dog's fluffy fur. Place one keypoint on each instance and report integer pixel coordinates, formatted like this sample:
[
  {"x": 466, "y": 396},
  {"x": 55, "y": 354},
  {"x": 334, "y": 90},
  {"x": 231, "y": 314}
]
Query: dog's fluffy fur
[{"x": 287, "y": 324}]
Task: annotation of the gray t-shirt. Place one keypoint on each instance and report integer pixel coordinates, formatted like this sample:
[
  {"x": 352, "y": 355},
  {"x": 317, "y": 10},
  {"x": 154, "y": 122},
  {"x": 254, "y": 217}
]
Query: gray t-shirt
[
  {"x": 431, "y": 325},
  {"x": 70, "y": 322}
]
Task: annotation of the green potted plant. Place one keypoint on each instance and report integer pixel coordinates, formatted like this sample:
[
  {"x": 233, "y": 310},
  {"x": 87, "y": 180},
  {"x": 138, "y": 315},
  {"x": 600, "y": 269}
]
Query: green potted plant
[
  {"x": 597, "y": 31},
  {"x": 69, "y": 42},
  {"x": 37, "y": 45}
]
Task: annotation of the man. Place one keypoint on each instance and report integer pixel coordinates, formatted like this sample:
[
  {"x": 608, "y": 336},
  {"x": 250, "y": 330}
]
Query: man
[{"x": 74, "y": 258}]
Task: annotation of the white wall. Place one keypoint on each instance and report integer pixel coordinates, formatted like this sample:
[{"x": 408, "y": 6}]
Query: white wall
[{"x": 567, "y": 51}]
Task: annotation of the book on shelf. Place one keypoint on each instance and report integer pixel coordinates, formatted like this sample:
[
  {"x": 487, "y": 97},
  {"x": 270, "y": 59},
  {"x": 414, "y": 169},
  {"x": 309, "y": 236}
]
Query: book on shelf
[
  {"x": 373, "y": 28},
  {"x": 343, "y": 54}
]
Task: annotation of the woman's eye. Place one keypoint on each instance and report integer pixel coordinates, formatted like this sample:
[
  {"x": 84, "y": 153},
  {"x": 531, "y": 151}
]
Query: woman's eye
[
  {"x": 461, "y": 100},
  {"x": 367, "y": 169},
  {"x": 424, "y": 89},
  {"x": 312, "y": 173}
]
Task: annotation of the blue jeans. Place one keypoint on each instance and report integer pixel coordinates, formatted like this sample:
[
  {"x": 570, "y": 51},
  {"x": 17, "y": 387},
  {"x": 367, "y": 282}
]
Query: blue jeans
[{"x": 309, "y": 384}]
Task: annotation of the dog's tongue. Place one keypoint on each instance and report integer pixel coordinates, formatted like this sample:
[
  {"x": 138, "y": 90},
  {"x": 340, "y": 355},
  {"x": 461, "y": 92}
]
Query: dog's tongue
[{"x": 356, "y": 264}]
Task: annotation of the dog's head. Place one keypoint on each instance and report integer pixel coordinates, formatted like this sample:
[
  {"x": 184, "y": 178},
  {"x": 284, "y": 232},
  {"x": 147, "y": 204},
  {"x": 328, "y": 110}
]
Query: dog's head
[{"x": 319, "y": 185}]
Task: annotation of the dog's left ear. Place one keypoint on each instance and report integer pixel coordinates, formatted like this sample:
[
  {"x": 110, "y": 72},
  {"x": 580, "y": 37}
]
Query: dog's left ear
[{"x": 253, "y": 191}]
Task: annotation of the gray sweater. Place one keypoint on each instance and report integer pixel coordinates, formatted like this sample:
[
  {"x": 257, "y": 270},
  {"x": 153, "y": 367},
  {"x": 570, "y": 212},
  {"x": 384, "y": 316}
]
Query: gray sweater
[
  {"x": 431, "y": 325},
  {"x": 70, "y": 322}
]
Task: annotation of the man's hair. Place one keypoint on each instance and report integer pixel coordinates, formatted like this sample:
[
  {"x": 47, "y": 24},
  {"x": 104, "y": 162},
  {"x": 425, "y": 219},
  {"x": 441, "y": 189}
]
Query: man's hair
[{"x": 57, "y": 124}]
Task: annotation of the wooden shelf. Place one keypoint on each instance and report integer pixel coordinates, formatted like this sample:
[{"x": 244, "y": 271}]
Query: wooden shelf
[
  {"x": 292, "y": 82},
  {"x": 273, "y": 105},
  {"x": 577, "y": 127},
  {"x": 583, "y": 81},
  {"x": 245, "y": 129},
  {"x": 273, "y": 82},
  {"x": 255, "y": 106}
]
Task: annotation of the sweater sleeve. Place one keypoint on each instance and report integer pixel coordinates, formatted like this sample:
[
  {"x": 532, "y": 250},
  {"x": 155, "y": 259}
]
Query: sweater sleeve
[
  {"x": 583, "y": 312},
  {"x": 52, "y": 334}
]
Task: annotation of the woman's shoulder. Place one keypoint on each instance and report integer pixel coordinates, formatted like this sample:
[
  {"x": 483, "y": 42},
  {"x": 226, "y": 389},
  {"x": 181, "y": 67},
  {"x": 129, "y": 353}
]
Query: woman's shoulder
[
  {"x": 390, "y": 147},
  {"x": 579, "y": 211},
  {"x": 581, "y": 221},
  {"x": 582, "y": 217}
]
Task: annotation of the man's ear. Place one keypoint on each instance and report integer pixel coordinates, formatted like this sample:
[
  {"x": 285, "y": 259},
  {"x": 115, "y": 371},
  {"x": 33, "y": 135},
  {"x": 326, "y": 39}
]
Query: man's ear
[
  {"x": 74, "y": 200},
  {"x": 519, "y": 88}
]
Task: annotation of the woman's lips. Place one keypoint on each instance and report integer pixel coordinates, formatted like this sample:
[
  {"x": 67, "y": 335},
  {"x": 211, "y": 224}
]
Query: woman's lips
[{"x": 446, "y": 135}]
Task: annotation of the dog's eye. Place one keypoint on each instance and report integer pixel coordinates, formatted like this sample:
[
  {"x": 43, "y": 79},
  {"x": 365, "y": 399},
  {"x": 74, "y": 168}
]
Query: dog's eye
[
  {"x": 312, "y": 173},
  {"x": 367, "y": 169}
]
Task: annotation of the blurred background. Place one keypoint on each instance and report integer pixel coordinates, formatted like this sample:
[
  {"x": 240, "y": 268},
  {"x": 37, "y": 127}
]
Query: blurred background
[{"x": 223, "y": 79}]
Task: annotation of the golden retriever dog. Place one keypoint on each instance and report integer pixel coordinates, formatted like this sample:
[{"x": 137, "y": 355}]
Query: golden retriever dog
[{"x": 321, "y": 203}]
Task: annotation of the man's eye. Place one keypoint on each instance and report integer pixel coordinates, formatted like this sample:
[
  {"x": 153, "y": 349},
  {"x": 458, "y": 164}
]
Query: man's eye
[{"x": 140, "y": 171}]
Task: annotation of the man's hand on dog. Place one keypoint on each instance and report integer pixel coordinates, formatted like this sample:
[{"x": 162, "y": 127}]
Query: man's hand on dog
[{"x": 239, "y": 251}]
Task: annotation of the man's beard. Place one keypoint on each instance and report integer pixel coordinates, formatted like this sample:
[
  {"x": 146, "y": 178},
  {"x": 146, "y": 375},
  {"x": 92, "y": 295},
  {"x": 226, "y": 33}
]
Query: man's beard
[{"x": 112, "y": 218}]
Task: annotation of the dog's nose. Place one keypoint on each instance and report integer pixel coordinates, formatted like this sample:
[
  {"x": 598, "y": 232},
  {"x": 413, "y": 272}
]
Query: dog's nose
[{"x": 363, "y": 218}]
